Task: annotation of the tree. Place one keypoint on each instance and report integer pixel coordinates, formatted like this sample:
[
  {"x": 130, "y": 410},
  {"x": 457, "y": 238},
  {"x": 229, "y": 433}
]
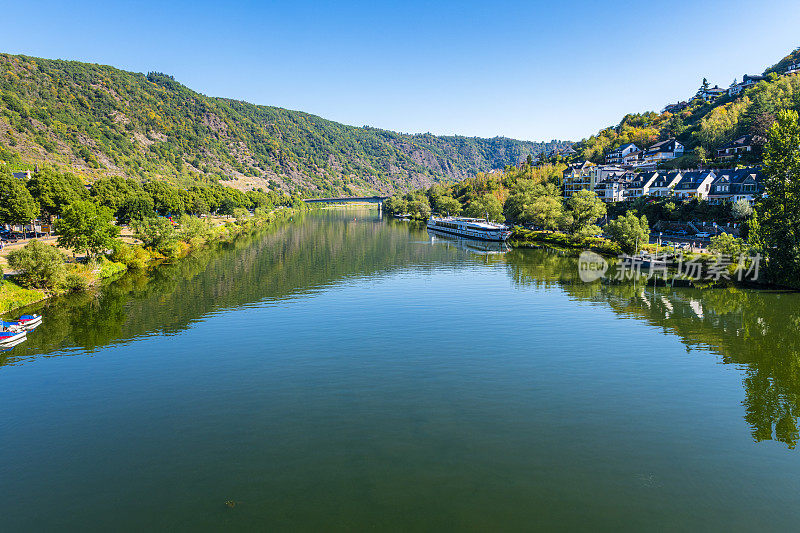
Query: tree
[
  {"x": 545, "y": 211},
  {"x": 728, "y": 245},
  {"x": 586, "y": 208},
  {"x": 86, "y": 226},
  {"x": 39, "y": 265},
  {"x": 447, "y": 205},
  {"x": 741, "y": 209},
  {"x": 55, "y": 190},
  {"x": 487, "y": 205},
  {"x": 629, "y": 231},
  {"x": 704, "y": 85},
  {"x": 777, "y": 217},
  {"x": 17, "y": 206},
  {"x": 155, "y": 232},
  {"x": 135, "y": 207}
]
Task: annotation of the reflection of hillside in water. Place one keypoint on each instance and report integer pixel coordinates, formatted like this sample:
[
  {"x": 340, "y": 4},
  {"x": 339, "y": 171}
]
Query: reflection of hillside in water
[
  {"x": 756, "y": 329},
  {"x": 324, "y": 248}
]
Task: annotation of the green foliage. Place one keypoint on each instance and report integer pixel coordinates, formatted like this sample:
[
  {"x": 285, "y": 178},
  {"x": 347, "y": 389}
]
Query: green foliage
[
  {"x": 157, "y": 233},
  {"x": 153, "y": 126},
  {"x": 727, "y": 244},
  {"x": 54, "y": 190},
  {"x": 75, "y": 283},
  {"x": 133, "y": 257},
  {"x": 86, "y": 226},
  {"x": 485, "y": 206},
  {"x": 17, "y": 206},
  {"x": 585, "y": 208},
  {"x": 629, "y": 231},
  {"x": 38, "y": 265},
  {"x": 776, "y": 228}
]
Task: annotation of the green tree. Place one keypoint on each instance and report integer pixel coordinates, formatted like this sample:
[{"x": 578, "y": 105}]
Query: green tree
[
  {"x": 586, "y": 208},
  {"x": 135, "y": 207},
  {"x": 156, "y": 232},
  {"x": 55, "y": 190},
  {"x": 629, "y": 231},
  {"x": 17, "y": 206},
  {"x": 487, "y": 205},
  {"x": 38, "y": 265},
  {"x": 447, "y": 205},
  {"x": 778, "y": 212},
  {"x": 86, "y": 226}
]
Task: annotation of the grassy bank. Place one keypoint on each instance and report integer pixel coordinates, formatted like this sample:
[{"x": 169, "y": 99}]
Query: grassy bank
[
  {"x": 525, "y": 238},
  {"x": 180, "y": 242}
]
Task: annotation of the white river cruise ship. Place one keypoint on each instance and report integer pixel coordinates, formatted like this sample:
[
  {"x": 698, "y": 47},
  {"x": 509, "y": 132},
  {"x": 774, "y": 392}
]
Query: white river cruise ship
[{"x": 473, "y": 228}]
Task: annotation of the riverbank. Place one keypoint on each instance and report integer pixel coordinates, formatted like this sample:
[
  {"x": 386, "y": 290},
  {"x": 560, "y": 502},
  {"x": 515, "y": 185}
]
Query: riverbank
[{"x": 130, "y": 254}]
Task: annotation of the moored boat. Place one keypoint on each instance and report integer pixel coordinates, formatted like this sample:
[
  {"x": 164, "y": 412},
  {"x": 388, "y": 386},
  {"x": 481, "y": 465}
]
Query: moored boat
[
  {"x": 29, "y": 321},
  {"x": 473, "y": 228},
  {"x": 12, "y": 336}
]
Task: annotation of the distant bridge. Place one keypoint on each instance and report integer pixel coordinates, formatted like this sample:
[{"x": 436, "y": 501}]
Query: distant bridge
[{"x": 346, "y": 200}]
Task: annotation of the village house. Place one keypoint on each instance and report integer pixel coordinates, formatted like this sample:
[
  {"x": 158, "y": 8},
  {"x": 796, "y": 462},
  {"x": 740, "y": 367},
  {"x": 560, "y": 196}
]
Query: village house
[
  {"x": 612, "y": 188},
  {"x": 615, "y": 156},
  {"x": 633, "y": 159},
  {"x": 747, "y": 81},
  {"x": 710, "y": 93},
  {"x": 662, "y": 151},
  {"x": 734, "y": 185},
  {"x": 586, "y": 176},
  {"x": 24, "y": 175},
  {"x": 640, "y": 185},
  {"x": 792, "y": 69},
  {"x": 576, "y": 177},
  {"x": 674, "y": 108},
  {"x": 736, "y": 148},
  {"x": 694, "y": 184},
  {"x": 664, "y": 184}
]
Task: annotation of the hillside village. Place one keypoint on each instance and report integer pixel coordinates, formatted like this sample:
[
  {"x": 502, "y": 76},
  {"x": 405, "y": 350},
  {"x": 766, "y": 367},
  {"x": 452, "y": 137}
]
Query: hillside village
[{"x": 629, "y": 171}]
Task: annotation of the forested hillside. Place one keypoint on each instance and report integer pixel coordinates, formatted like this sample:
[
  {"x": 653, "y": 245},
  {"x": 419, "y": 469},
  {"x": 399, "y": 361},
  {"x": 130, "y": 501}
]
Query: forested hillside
[
  {"x": 103, "y": 121},
  {"x": 702, "y": 126}
]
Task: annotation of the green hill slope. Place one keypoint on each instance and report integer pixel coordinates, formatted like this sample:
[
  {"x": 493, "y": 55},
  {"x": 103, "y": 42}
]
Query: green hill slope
[{"x": 104, "y": 121}]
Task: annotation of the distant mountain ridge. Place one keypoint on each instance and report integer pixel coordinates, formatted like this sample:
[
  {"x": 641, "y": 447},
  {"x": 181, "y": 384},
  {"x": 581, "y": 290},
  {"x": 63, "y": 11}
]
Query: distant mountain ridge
[{"x": 100, "y": 120}]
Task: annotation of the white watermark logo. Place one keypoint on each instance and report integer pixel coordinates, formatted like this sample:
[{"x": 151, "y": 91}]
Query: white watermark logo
[{"x": 591, "y": 266}]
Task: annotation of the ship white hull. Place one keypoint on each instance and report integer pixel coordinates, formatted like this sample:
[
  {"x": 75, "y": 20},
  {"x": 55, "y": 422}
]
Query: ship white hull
[{"x": 468, "y": 231}]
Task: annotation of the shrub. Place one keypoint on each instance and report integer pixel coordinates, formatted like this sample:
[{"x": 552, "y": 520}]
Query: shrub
[
  {"x": 75, "y": 283},
  {"x": 133, "y": 257},
  {"x": 39, "y": 265}
]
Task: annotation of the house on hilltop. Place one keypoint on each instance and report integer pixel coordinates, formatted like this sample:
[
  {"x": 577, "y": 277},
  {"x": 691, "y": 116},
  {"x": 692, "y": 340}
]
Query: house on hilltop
[
  {"x": 710, "y": 93},
  {"x": 615, "y": 156},
  {"x": 662, "y": 151},
  {"x": 792, "y": 69},
  {"x": 747, "y": 81},
  {"x": 736, "y": 148}
]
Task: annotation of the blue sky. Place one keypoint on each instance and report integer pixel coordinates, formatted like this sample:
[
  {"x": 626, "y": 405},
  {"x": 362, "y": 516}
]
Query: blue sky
[{"x": 528, "y": 70}]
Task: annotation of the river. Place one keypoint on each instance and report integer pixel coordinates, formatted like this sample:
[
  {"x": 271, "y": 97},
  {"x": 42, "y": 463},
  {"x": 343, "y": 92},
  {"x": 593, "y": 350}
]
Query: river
[{"x": 345, "y": 372}]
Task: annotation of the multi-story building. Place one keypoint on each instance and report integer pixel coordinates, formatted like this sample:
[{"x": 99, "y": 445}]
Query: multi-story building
[
  {"x": 694, "y": 184},
  {"x": 615, "y": 156},
  {"x": 664, "y": 184},
  {"x": 612, "y": 188},
  {"x": 736, "y": 148},
  {"x": 640, "y": 185},
  {"x": 747, "y": 81},
  {"x": 661, "y": 151},
  {"x": 734, "y": 185}
]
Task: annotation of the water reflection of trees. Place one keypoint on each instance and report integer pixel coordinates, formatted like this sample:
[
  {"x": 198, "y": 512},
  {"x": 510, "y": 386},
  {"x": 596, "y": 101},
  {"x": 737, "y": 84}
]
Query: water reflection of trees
[
  {"x": 296, "y": 257},
  {"x": 755, "y": 329}
]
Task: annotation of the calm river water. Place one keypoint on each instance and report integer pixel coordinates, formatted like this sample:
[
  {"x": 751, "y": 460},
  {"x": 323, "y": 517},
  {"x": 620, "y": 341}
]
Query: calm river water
[{"x": 343, "y": 372}]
